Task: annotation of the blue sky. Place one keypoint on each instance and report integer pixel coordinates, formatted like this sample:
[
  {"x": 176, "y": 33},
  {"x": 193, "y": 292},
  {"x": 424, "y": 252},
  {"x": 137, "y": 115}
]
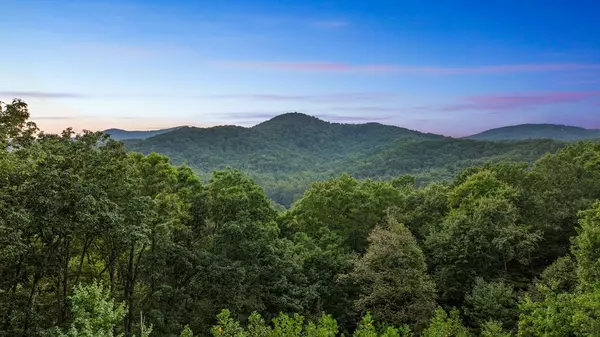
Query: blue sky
[{"x": 450, "y": 67}]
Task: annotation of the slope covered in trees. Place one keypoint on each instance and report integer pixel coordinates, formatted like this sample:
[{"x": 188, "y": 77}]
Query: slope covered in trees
[
  {"x": 537, "y": 131},
  {"x": 289, "y": 152},
  {"x": 119, "y": 134},
  {"x": 96, "y": 241}
]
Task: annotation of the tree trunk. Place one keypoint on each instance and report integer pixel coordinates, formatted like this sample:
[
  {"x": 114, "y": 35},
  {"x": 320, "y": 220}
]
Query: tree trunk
[
  {"x": 86, "y": 243},
  {"x": 65, "y": 283},
  {"x": 32, "y": 297},
  {"x": 128, "y": 291},
  {"x": 13, "y": 290}
]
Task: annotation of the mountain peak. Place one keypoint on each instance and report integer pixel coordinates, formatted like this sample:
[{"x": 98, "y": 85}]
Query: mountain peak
[{"x": 291, "y": 119}]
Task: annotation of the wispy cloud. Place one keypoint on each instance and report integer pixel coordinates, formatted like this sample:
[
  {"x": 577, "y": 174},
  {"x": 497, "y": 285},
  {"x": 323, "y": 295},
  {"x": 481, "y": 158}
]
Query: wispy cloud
[
  {"x": 40, "y": 94},
  {"x": 592, "y": 81},
  {"x": 518, "y": 101},
  {"x": 253, "y": 117},
  {"x": 350, "y": 119},
  {"x": 321, "y": 98},
  {"x": 340, "y": 67},
  {"x": 371, "y": 109}
]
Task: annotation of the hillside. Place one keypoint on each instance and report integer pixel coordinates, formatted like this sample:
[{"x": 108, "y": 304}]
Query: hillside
[
  {"x": 287, "y": 143},
  {"x": 119, "y": 134},
  {"x": 287, "y": 153},
  {"x": 537, "y": 131},
  {"x": 442, "y": 159}
]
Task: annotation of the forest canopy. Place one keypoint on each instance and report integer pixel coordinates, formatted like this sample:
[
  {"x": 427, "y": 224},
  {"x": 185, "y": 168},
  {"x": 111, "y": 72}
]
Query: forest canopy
[{"x": 99, "y": 241}]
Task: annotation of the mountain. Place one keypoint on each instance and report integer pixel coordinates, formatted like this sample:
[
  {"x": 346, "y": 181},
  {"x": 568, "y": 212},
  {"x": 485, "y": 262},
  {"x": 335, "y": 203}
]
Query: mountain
[
  {"x": 537, "y": 131},
  {"x": 287, "y": 153},
  {"x": 119, "y": 134},
  {"x": 288, "y": 142}
]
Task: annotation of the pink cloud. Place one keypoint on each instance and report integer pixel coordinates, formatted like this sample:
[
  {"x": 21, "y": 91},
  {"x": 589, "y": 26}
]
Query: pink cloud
[
  {"x": 392, "y": 68},
  {"x": 507, "y": 102},
  {"x": 322, "y": 98}
]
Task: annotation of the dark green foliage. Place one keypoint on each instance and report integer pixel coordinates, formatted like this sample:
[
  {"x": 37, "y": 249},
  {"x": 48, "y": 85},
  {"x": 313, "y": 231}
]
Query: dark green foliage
[
  {"x": 393, "y": 279},
  {"x": 77, "y": 211},
  {"x": 494, "y": 301},
  {"x": 289, "y": 152}
]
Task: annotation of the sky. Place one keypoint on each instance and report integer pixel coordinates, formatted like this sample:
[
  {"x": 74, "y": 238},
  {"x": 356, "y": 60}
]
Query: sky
[{"x": 449, "y": 67}]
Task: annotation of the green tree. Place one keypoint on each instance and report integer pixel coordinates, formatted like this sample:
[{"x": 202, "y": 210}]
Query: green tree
[
  {"x": 494, "y": 300},
  {"x": 393, "y": 276},
  {"x": 95, "y": 313},
  {"x": 481, "y": 236},
  {"x": 493, "y": 329},
  {"x": 444, "y": 325},
  {"x": 347, "y": 206},
  {"x": 586, "y": 248}
]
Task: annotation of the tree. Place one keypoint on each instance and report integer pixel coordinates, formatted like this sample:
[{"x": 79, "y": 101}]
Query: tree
[
  {"x": 346, "y": 206},
  {"x": 15, "y": 128},
  {"x": 95, "y": 313},
  {"x": 444, "y": 325},
  {"x": 393, "y": 276},
  {"x": 586, "y": 248},
  {"x": 481, "y": 236},
  {"x": 494, "y": 300}
]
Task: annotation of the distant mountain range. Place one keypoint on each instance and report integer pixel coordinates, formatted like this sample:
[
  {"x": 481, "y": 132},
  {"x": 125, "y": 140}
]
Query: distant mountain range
[
  {"x": 537, "y": 131},
  {"x": 119, "y": 134},
  {"x": 513, "y": 132},
  {"x": 288, "y": 152}
]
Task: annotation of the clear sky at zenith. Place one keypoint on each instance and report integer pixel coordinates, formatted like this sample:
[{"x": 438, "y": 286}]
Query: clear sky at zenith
[{"x": 451, "y": 67}]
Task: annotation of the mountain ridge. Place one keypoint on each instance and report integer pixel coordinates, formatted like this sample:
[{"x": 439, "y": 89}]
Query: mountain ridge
[
  {"x": 287, "y": 153},
  {"x": 121, "y": 134},
  {"x": 537, "y": 131},
  {"x": 509, "y": 132}
]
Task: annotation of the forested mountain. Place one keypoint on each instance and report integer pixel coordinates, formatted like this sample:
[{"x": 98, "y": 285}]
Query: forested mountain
[
  {"x": 98, "y": 241},
  {"x": 537, "y": 131},
  {"x": 287, "y": 153},
  {"x": 119, "y": 134}
]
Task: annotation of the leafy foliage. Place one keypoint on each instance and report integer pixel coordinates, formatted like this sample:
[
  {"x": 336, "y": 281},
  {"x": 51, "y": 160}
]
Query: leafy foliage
[{"x": 96, "y": 240}]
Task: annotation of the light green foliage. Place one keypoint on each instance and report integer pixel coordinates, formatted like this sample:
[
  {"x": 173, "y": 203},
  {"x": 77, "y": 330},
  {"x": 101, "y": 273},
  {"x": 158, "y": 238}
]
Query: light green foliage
[
  {"x": 290, "y": 326},
  {"x": 95, "y": 313},
  {"x": 366, "y": 327},
  {"x": 494, "y": 300},
  {"x": 444, "y": 325},
  {"x": 234, "y": 197},
  {"x": 561, "y": 275},
  {"x": 493, "y": 329},
  {"x": 257, "y": 326},
  {"x": 186, "y": 332},
  {"x": 550, "y": 317},
  {"x": 369, "y": 328},
  {"x": 325, "y": 327},
  {"x": 481, "y": 236},
  {"x": 586, "y": 248},
  {"x": 392, "y": 274},
  {"x": 562, "y": 314},
  {"x": 347, "y": 207},
  {"x": 227, "y": 326},
  {"x": 81, "y": 210}
]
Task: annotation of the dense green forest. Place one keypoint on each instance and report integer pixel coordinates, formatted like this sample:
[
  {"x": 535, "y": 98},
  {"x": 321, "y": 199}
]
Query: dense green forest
[
  {"x": 287, "y": 153},
  {"x": 99, "y": 241}
]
